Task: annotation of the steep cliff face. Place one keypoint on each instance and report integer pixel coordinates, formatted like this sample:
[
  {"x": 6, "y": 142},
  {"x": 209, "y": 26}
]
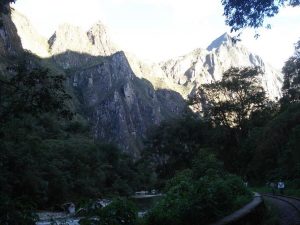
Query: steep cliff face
[
  {"x": 120, "y": 106},
  {"x": 114, "y": 95},
  {"x": 208, "y": 65}
]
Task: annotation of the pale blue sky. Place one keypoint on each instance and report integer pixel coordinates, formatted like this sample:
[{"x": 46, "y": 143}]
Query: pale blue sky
[{"x": 161, "y": 29}]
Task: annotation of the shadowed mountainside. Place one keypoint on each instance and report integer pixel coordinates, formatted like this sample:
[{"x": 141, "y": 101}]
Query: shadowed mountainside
[{"x": 119, "y": 106}]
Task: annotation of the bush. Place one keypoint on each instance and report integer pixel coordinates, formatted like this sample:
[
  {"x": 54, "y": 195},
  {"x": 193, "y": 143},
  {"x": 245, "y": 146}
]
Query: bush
[
  {"x": 119, "y": 212},
  {"x": 15, "y": 213},
  {"x": 191, "y": 198}
]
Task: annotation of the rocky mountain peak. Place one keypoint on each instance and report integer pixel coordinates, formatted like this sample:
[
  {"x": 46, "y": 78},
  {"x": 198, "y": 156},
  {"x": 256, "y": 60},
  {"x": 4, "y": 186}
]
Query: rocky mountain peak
[
  {"x": 98, "y": 36},
  {"x": 224, "y": 39},
  {"x": 69, "y": 38},
  {"x": 200, "y": 67},
  {"x": 95, "y": 42},
  {"x": 98, "y": 27}
]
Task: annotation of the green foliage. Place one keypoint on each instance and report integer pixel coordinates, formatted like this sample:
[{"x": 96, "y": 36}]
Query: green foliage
[
  {"x": 277, "y": 147},
  {"x": 44, "y": 165},
  {"x": 237, "y": 107},
  {"x": 47, "y": 171},
  {"x": 173, "y": 145},
  {"x": 46, "y": 154},
  {"x": 291, "y": 84},
  {"x": 3, "y": 6},
  {"x": 243, "y": 13},
  {"x": 15, "y": 214},
  {"x": 253, "y": 137},
  {"x": 231, "y": 101},
  {"x": 204, "y": 193},
  {"x": 270, "y": 216},
  {"x": 32, "y": 91},
  {"x": 119, "y": 212}
]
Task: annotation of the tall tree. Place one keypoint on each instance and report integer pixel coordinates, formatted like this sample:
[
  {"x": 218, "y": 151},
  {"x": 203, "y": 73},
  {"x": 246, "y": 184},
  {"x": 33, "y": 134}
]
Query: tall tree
[
  {"x": 230, "y": 101},
  {"x": 32, "y": 91},
  {"x": 291, "y": 84},
  {"x": 3, "y": 4},
  {"x": 244, "y": 13}
]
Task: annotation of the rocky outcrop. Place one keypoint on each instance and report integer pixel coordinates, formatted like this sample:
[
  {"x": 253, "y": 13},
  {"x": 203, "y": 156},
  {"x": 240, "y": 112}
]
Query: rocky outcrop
[
  {"x": 100, "y": 39},
  {"x": 69, "y": 39}
]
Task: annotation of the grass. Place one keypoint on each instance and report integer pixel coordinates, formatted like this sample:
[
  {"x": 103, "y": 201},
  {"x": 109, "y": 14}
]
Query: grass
[
  {"x": 241, "y": 201},
  {"x": 292, "y": 192},
  {"x": 270, "y": 216},
  {"x": 288, "y": 191}
]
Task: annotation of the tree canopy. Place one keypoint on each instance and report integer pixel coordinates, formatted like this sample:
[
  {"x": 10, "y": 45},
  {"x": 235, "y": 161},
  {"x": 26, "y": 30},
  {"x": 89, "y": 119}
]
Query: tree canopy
[
  {"x": 231, "y": 101},
  {"x": 291, "y": 71},
  {"x": 244, "y": 13},
  {"x": 32, "y": 91},
  {"x": 3, "y": 3}
]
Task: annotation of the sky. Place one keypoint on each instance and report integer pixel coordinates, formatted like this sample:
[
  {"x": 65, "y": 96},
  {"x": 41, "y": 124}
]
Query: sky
[{"x": 157, "y": 30}]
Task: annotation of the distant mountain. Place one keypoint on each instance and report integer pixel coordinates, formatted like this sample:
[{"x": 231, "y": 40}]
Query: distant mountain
[
  {"x": 224, "y": 39},
  {"x": 208, "y": 65},
  {"x": 121, "y": 96}
]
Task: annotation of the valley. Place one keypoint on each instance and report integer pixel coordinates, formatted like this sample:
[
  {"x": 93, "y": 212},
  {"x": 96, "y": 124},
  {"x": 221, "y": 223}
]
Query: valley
[{"x": 84, "y": 122}]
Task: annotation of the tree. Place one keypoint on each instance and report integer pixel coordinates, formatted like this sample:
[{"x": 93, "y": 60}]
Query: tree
[
  {"x": 174, "y": 144},
  {"x": 231, "y": 101},
  {"x": 3, "y": 4},
  {"x": 244, "y": 13},
  {"x": 205, "y": 193},
  {"x": 32, "y": 91},
  {"x": 118, "y": 212},
  {"x": 291, "y": 84},
  {"x": 276, "y": 148}
]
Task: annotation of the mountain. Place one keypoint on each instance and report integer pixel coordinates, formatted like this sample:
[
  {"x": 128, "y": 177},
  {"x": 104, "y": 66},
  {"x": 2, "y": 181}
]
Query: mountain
[
  {"x": 109, "y": 85},
  {"x": 30, "y": 38},
  {"x": 207, "y": 65},
  {"x": 120, "y": 106},
  {"x": 123, "y": 97}
]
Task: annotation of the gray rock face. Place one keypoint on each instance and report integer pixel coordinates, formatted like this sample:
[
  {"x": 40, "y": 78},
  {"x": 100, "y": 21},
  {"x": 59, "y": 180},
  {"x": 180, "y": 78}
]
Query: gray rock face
[
  {"x": 208, "y": 65},
  {"x": 99, "y": 38},
  {"x": 120, "y": 106}
]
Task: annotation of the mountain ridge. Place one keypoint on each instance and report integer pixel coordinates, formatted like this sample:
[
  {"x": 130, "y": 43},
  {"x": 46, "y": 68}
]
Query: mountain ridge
[{"x": 122, "y": 96}]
